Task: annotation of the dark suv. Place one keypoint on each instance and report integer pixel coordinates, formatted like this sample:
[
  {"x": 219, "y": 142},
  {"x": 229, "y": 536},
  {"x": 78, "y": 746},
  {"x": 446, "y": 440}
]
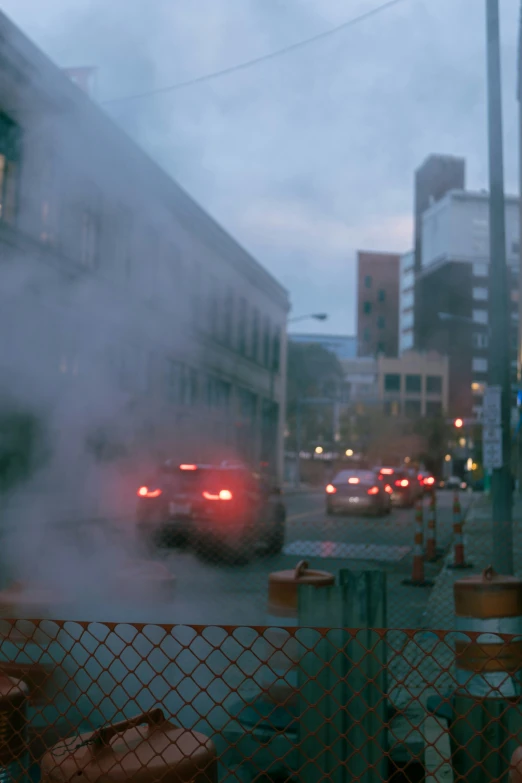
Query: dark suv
[{"x": 226, "y": 511}]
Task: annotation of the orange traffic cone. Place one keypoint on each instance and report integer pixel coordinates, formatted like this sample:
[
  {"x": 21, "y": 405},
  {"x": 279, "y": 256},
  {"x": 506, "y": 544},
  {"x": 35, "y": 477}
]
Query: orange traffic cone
[
  {"x": 417, "y": 574},
  {"x": 459, "y": 560},
  {"x": 431, "y": 537}
]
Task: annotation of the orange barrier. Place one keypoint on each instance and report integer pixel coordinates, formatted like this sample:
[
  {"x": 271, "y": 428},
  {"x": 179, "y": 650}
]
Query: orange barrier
[
  {"x": 417, "y": 575},
  {"x": 431, "y": 535},
  {"x": 459, "y": 561}
]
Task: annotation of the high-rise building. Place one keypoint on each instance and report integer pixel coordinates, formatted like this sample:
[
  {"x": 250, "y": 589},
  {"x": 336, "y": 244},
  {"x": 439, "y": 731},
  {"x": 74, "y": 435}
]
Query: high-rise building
[
  {"x": 377, "y": 303},
  {"x": 452, "y": 291},
  {"x": 406, "y": 302}
]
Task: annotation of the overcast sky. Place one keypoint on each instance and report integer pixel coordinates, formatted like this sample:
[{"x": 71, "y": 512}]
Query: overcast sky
[{"x": 309, "y": 156}]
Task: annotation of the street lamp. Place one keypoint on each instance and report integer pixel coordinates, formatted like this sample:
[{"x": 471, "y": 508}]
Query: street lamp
[
  {"x": 349, "y": 452},
  {"x": 310, "y": 316}
]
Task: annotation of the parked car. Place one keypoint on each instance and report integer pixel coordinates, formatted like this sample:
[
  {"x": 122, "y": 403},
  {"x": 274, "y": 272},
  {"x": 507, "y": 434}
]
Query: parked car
[
  {"x": 358, "y": 491},
  {"x": 225, "y": 510},
  {"x": 404, "y": 490},
  {"x": 453, "y": 483}
]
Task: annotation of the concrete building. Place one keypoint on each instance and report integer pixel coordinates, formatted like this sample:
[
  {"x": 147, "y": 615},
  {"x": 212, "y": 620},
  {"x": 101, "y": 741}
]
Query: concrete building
[
  {"x": 406, "y": 302},
  {"x": 377, "y": 303},
  {"x": 123, "y": 299},
  {"x": 343, "y": 346},
  {"x": 453, "y": 291},
  {"x": 413, "y": 385}
]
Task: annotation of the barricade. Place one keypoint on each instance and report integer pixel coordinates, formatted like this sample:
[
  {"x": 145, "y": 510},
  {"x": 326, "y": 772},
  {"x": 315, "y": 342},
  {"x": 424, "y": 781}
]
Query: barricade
[
  {"x": 432, "y": 554},
  {"x": 417, "y": 574},
  {"x": 459, "y": 561}
]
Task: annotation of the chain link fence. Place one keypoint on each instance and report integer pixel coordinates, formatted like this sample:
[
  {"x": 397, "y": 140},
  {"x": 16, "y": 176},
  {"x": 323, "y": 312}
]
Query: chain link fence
[{"x": 108, "y": 701}]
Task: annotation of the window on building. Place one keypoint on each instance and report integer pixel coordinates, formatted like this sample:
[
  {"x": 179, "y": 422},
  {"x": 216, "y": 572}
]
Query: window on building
[
  {"x": 276, "y": 350},
  {"x": 255, "y": 335},
  {"x": 10, "y": 142},
  {"x": 381, "y": 296},
  {"x": 412, "y": 408},
  {"x": 408, "y": 279},
  {"x": 433, "y": 409},
  {"x": 407, "y": 300},
  {"x": 434, "y": 384},
  {"x": 480, "y": 270},
  {"x": 392, "y": 407},
  {"x": 480, "y": 294},
  {"x": 367, "y": 308},
  {"x": 242, "y": 326},
  {"x": 367, "y": 335},
  {"x": 480, "y": 316},
  {"x": 480, "y": 340},
  {"x": 392, "y": 382},
  {"x": 381, "y": 348},
  {"x": 407, "y": 320},
  {"x": 381, "y": 322},
  {"x": 368, "y": 281},
  {"x": 89, "y": 239},
  {"x": 515, "y": 247},
  {"x": 479, "y": 364},
  {"x": 414, "y": 384},
  {"x": 228, "y": 318},
  {"x": 266, "y": 342}
]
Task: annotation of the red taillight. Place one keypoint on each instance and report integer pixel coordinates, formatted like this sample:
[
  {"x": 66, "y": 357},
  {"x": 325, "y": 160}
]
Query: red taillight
[
  {"x": 145, "y": 492},
  {"x": 373, "y": 491},
  {"x": 387, "y": 471},
  {"x": 224, "y": 494},
  {"x": 330, "y": 489},
  {"x": 430, "y": 480},
  {"x": 188, "y": 467},
  {"x": 388, "y": 489},
  {"x": 402, "y": 483},
  {"x": 354, "y": 480}
]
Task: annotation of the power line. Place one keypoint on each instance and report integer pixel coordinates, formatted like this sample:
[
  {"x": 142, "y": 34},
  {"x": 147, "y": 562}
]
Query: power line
[{"x": 257, "y": 60}]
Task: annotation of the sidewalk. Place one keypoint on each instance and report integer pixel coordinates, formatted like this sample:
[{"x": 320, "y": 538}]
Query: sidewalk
[{"x": 425, "y": 665}]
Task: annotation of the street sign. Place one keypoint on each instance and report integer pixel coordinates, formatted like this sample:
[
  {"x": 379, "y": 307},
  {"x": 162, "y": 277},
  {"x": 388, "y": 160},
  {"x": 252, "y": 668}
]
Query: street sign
[
  {"x": 492, "y": 406},
  {"x": 492, "y": 455},
  {"x": 491, "y": 434}
]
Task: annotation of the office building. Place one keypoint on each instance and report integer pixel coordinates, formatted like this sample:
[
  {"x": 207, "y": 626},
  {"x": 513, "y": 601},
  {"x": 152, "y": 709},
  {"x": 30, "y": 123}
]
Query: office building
[
  {"x": 453, "y": 291},
  {"x": 123, "y": 299},
  {"x": 377, "y": 303}
]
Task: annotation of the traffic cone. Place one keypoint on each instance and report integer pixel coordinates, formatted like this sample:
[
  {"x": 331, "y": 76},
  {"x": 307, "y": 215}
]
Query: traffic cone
[
  {"x": 417, "y": 574},
  {"x": 431, "y": 536},
  {"x": 459, "y": 560}
]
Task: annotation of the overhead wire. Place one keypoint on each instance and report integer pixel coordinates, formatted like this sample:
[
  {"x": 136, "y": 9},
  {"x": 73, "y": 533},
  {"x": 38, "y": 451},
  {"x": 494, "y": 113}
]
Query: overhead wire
[{"x": 255, "y": 60}]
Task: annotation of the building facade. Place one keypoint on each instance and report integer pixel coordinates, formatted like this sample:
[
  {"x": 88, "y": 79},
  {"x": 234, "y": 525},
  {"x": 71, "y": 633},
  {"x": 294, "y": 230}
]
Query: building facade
[
  {"x": 453, "y": 291},
  {"x": 343, "y": 346},
  {"x": 377, "y": 303},
  {"x": 130, "y": 311},
  {"x": 406, "y": 302}
]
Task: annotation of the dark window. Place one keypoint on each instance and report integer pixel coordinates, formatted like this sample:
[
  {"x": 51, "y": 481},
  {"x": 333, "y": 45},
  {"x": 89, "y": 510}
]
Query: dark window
[
  {"x": 412, "y": 408},
  {"x": 392, "y": 382},
  {"x": 255, "y": 335},
  {"x": 381, "y": 348},
  {"x": 413, "y": 383},
  {"x": 10, "y": 139},
  {"x": 434, "y": 384},
  {"x": 367, "y": 335},
  {"x": 368, "y": 281},
  {"x": 381, "y": 295},
  {"x": 433, "y": 409},
  {"x": 228, "y": 317},
  {"x": 266, "y": 343},
  {"x": 367, "y": 308},
  {"x": 381, "y": 322},
  {"x": 276, "y": 355},
  {"x": 242, "y": 326}
]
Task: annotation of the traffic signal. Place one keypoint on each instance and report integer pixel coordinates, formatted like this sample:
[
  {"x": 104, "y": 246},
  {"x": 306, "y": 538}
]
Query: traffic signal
[{"x": 458, "y": 423}]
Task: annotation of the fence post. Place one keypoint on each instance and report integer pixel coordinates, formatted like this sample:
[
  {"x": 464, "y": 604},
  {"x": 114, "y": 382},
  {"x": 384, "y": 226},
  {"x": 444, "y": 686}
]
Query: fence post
[{"x": 343, "y": 680}]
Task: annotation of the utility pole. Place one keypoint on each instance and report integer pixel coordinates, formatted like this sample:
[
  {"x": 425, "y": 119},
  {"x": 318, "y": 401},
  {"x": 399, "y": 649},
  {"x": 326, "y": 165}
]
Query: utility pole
[{"x": 499, "y": 309}]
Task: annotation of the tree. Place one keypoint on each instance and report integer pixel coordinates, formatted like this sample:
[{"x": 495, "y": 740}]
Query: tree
[{"x": 312, "y": 372}]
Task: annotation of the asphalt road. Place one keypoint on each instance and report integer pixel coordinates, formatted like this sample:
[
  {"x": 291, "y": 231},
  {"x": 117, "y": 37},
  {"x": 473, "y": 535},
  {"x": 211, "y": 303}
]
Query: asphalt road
[{"x": 215, "y": 593}]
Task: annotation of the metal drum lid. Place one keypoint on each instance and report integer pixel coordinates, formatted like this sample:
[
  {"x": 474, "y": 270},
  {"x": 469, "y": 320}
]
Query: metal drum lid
[
  {"x": 283, "y": 587},
  {"x": 130, "y": 750},
  {"x": 488, "y": 595}
]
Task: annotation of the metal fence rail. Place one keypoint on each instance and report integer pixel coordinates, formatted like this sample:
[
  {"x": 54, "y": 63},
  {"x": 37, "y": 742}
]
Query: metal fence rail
[{"x": 126, "y": 701}]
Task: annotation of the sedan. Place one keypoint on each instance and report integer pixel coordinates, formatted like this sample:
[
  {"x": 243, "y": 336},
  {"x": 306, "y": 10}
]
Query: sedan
[
  {"x": 428, "y": 482},
  {"x": 404, "y": 492},
  {"x": 358, "y": 491}
]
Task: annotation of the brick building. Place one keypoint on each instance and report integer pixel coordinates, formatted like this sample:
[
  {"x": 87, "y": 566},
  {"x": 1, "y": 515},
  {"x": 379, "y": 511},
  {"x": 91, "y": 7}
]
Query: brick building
[{"x": 377, "y": 303}]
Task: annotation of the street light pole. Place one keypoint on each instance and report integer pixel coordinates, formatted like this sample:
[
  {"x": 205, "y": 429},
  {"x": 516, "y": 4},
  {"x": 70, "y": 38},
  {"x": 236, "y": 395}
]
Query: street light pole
[{"x": 499, "y": 311}]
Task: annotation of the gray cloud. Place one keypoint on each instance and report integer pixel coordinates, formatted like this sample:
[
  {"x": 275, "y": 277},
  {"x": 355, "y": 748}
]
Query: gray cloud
[{"x": 310, "y": 156}]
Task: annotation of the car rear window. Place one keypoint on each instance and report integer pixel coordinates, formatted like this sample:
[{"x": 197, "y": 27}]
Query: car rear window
[{"x": 365, "y": 476}]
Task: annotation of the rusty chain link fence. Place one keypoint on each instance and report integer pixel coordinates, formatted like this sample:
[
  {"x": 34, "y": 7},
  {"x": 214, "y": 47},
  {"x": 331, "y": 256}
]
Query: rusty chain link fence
[{"x": 107, "y": 701}]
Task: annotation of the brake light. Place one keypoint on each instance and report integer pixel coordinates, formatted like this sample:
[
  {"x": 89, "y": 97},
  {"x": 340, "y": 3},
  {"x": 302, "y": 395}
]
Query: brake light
[
  {"x": 145, "y": 492},
  {"x": 224, "y": 494},
  {"x": 430, "y": 480},
  {"x": 388, "y": 489},
  {"x": 402, "y": 483},
  {"x": 330, "y": 489},
  {"x": 387, "y": 471},
  {"x": 353, "y": 480},
  {"x": 419, "y": 478},
  {"x": 188, "y": 467},
  {"x": 373, "y": 491}
]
